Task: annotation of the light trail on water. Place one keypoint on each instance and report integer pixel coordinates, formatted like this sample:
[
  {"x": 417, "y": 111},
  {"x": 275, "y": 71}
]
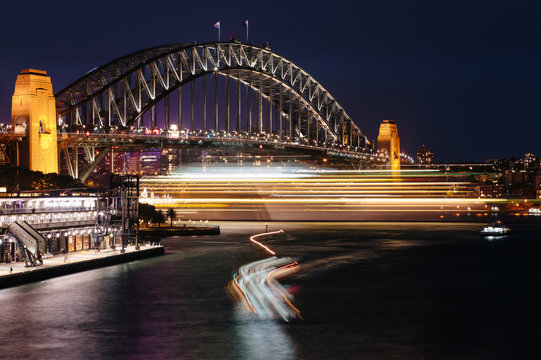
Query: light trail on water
[{"x": 256, "y": 284}]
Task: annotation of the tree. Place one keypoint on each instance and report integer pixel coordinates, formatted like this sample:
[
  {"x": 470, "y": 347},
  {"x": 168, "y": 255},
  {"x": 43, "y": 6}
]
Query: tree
[
  {"x": 160, "y": 219},
  {"x": 148, "y": 213},
  {"x": 21, "y": 178},
  {"x": 171, "y": 215}
]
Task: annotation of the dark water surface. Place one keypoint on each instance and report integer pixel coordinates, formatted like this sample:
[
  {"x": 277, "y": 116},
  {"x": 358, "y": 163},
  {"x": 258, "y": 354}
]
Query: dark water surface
[{"x": 365, "y": 291}]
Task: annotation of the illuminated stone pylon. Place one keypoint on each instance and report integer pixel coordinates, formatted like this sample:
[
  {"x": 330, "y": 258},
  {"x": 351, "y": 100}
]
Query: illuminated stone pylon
[
  {"x": 389, "y": 142},
  {"x": 33, "y": 112}
]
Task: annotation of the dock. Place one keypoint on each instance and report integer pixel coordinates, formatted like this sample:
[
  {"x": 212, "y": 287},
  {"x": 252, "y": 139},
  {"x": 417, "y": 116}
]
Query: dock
[
  {"x": 150, "y": 232},
  {"x": 16, "y": 273}
]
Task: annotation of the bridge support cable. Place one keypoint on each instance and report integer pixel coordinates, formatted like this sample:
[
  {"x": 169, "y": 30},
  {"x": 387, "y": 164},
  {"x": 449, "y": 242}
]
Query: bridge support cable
[
  {"x": 260, "y": 107},
  {"x": 308, "y": 125},
  {"x": 192, "y": 109},
  {"x": 298, "y": 129},
  {"x": 153, "y": 117},
  {"x": 270, "y": 107},
  {"x": 179, "y": 116},
  {"x": 204, "y": 103},
  {"x": 290, "y": 118},
  {"x": 249, "y": 103},
  {"x": 166, "y": 117},
  {"x": 76, "y": 161},
  {"x": 317, "y": 133},
  {"x": 238, "y": 104},
  {"x": 216, "y": 101},
  {"x": 280, "y": 131},
  {"x": 227, "y": 128}
]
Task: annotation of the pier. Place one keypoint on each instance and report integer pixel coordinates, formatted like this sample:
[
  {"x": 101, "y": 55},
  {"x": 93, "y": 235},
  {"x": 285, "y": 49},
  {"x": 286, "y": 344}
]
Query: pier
[{"x": 17, "y": 273}]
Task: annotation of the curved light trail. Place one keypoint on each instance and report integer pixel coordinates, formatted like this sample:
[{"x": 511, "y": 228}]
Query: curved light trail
[{"x": 257, "y": 288}]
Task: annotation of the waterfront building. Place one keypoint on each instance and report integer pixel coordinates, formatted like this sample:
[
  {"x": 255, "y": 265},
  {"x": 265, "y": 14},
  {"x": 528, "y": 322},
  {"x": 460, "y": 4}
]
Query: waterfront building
[
  {"x": 68, "y": 220},
  {"x": 425, "y": 155},
  {"x": 65, "y": 220}
]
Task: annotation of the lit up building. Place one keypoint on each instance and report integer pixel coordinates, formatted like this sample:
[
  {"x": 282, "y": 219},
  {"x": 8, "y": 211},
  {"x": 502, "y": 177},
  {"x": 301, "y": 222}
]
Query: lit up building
[
  {"x": 148, "y": 161},
  {"x": 33, "y": 115},
  {"x": 531, "y": 162},
  {"x": 65, "y": 220},
  {"x": 491, "y": 191},
  {"x": 389, "y": 142},
  {"x": 170, "y": 160},
  {"x": 521, "y": 183},
  {"x": 425, "y": 155},
  {"x": 114, "y": 162},
  {"x": 67, "y": 223},
  {"x": 141, "y": 162}
]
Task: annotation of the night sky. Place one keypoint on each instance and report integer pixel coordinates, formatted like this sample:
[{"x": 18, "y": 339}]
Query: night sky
[{"x": 462, "y": 77}]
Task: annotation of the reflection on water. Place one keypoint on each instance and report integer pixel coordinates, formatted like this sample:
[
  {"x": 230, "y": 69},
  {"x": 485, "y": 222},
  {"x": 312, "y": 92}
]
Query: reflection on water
[
  {"x": 366, "y": 290},
  {"x": 262, "y": 339}
]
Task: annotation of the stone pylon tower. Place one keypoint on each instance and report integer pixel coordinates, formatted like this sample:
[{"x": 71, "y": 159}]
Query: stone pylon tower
[
  {"x": 388, "y": 141},
  {"x": 33, "y": 112}
]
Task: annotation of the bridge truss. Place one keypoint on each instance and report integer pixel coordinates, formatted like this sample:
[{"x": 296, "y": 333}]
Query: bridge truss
[{"x": 280, "y": 98}]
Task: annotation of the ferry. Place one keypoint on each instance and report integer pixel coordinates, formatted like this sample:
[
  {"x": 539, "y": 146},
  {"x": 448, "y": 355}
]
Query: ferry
[{"x": 495, "y": 228}]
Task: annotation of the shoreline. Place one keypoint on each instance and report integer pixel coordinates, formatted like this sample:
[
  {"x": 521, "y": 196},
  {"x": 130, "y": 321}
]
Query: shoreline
[
  {"x": 44, "y": 272},
  {"x": 179, "y": 231}
]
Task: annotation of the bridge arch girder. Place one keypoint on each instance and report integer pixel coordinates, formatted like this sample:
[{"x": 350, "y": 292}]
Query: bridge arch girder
[{"x": 121, "y": 91}]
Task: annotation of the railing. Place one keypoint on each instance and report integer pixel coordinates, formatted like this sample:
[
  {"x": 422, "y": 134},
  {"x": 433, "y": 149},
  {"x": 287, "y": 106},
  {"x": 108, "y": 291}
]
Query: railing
[
  {"x": 26, "y": 211},
  {"x": 65, "y": 224}
]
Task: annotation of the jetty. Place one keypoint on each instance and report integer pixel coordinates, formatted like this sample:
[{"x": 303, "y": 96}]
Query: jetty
[
  {"x": 162, "y": 231},
  {"x": 17, "y": 273}
]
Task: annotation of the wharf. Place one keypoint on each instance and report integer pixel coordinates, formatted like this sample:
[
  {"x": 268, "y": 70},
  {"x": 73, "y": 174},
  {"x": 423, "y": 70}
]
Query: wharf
[
  {"x": 13, "y": 274},
  {"x": 179, "y": 231}
]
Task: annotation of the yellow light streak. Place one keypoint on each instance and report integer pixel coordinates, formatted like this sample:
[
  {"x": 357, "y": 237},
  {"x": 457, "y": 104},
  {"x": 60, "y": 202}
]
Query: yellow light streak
[{"x": 252, "y": 239}]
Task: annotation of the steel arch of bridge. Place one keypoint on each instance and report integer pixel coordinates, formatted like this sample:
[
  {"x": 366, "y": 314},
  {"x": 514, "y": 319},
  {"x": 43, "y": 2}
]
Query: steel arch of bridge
[{"x": 121, "y": 91}]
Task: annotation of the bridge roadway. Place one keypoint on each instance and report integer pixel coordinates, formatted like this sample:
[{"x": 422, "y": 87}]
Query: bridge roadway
[{"x": 265, "y": 142}]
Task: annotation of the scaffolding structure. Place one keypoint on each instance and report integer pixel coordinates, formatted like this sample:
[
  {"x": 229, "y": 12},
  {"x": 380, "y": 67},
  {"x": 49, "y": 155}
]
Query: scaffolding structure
[{"x": 122, "y": 204}]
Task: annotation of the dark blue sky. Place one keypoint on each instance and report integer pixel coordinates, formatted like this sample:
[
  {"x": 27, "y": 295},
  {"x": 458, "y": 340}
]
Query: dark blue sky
[{"x": 462, "y": 77}]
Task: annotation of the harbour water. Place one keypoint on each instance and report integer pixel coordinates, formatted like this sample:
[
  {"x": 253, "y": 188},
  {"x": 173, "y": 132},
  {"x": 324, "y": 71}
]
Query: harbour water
[{"x": 364, "y": 290}]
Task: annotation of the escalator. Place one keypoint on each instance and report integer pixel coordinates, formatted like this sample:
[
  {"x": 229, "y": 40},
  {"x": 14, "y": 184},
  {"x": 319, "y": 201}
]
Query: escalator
[{"x": 30, "y": 239}]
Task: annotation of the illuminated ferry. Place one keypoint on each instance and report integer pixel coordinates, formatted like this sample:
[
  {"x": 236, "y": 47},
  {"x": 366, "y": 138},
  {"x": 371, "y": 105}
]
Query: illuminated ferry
[{"x": 495, "y": 228}]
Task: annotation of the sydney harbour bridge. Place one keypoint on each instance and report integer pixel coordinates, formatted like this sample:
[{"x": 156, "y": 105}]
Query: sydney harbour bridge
[{"x": 215, "y": 94}]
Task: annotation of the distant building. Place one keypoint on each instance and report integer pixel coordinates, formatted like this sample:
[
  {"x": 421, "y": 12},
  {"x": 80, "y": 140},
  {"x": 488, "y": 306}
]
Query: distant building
[
  {"x": 521, "y": 184},
  {"x": 148, "y": 161},
  {"x": 389, "y": 142},
  {"x": 490, "y": 191},
  {"x": 425, "y": 155},
  {"x": 114, "y": 162},
  {"x": 170, "y": 160},
  {"x": 530, "y": 161}
]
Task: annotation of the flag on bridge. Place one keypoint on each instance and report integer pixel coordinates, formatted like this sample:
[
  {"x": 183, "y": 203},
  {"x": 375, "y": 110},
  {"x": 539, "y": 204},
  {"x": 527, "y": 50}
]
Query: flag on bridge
[
  {"x": 246, "y": 26},
  {"x": 217, "y": 26}
]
